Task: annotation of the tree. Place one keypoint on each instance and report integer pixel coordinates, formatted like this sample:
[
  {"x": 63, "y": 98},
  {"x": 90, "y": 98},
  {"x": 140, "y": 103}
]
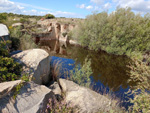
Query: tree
[{"x": 49, "y": 16}]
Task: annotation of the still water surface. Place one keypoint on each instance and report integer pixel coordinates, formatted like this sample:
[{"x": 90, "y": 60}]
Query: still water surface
[{"x": 110, "y": 72}]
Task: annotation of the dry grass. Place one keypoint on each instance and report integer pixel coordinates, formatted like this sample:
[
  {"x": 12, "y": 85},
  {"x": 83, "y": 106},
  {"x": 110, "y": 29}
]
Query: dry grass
[{"x": 55, "y": 70}]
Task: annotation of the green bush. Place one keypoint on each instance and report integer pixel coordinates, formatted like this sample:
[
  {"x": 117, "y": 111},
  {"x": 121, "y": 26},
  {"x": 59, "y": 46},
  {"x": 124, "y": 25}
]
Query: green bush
[
  {"x": 81, "y": 75},
  {"x": 49, "y": 16},
  {"x": 26, "y": 42},
  {"x": 24, "y": 20},
  {"x": 141, "y": 102},
  {"x": 9, "y": 69},
  {"x": 21, "y": 41},
  {"x": 140, "y": 73},
  {"x": 119, "y": 32},
  {"x": 3, "y": 17}
]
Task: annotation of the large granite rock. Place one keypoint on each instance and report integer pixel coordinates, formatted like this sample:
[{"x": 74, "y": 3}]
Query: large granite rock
[
  {"x": 4, "y": 34},
  {"x": 55, "y": 88},
  {"x": 6, "y": 87},
  {"x": 3, "y": 30},
  {"x": 37, "y": 63},
  {"x": 87, "y": 100},
  {"x": 33, "y": 98}
]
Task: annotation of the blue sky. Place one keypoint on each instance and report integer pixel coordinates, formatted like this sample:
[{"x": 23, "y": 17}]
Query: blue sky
[{"x": 72, "y": 9}]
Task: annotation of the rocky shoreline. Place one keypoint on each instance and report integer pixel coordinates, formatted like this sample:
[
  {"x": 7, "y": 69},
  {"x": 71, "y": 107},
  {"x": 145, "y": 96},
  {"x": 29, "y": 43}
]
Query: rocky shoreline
[{"x": 33, "y": 97}]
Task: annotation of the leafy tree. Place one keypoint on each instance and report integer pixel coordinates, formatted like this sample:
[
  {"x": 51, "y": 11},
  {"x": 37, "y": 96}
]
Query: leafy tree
[{"x": 49, "y": 16}]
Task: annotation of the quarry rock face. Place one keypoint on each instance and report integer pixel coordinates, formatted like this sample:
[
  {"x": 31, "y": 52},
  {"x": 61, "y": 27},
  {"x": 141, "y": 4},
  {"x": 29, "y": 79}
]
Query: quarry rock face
[{"x": 57, "y": 30}]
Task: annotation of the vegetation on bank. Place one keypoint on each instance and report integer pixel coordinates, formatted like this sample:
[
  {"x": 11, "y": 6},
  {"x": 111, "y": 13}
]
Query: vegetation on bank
[
  {"x": 121, "y": 32},
  {"x": 9, "y": 69},
  {"x": 140, "y": 73},
  {"x": 10, "y": 18},
  {"x": 2, "y": 18},
  {"x": 81, "y": 74},
  {"x": 20, "y": 40}
]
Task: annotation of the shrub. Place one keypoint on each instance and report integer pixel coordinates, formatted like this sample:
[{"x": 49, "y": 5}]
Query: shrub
[
  {"x": 81, "y": 75},
  {"x": 140, "y": 73},
  {"x": 9, "y": 69},
  {"x": 141, "y": 102},
  {"x": 55, "y": 106},
  {"x": 117, "y": 33},
  {"x": 64, "y": 34},
  {"x": 3, "y": 17},
  {"x": 49, "y": 16},
  {"x": 24, "y": 20},
  {"x": 26, "y": 42},
  {"x": 21, "y": 41},
  {"x": 15, "y": 35}
]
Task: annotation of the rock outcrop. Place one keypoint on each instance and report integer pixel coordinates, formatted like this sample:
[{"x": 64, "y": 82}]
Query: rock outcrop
[
  {"x": 6, "y": 87},
  {"x": 4, "y": 33},
  {"x": 3, "y": 30},
  {"x": 18, "y": 25},
  {"x": 55, "y": 88},
  {"x": 37, "y": 63},
  {"x": 87, "y": 100},
  {"x": 32, "y": 98}
]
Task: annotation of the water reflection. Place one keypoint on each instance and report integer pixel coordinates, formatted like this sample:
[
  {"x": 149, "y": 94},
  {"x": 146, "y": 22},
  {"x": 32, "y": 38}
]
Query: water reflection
[
  {"x": 110, "y": 70},
  {"x": 54, "y": 46}
]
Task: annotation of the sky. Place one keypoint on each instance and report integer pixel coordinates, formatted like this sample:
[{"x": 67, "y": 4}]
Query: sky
[{"x": 71, "y": 8}]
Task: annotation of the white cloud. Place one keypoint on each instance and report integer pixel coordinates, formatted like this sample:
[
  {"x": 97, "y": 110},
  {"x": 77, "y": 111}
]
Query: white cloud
[
  {"x": 107, "y": 5},
  {"x": 27, "y": 9},
  {"x": 89, "y": 7},
  {"x": 20, "y": 7},
  {"x": 34, "y": 12},
  {"x": 96, "y": 8},
  {"x": 66, "y": 14},
  {"x": 8, "y": 6},
  {"x": 32, "y": 6},
  {"x": 137, "y": 5},
  {"x": 98, "y": 2},
  {"x": 82, "y": 6}
]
